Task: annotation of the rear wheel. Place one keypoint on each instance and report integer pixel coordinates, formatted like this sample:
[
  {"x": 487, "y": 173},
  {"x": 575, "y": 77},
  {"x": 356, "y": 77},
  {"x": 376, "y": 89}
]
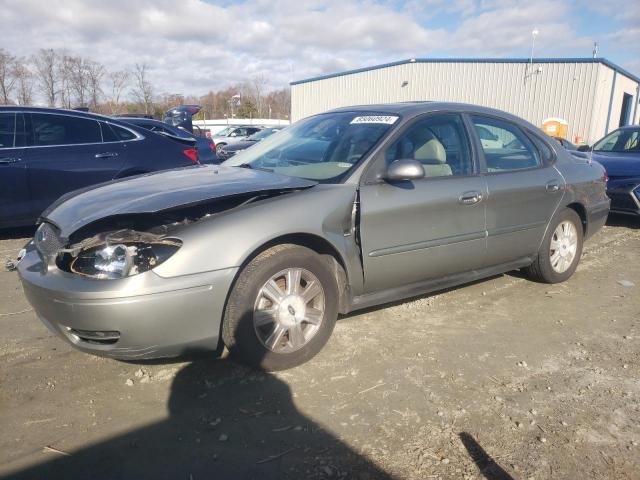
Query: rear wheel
[
  {"x": 561, "y": 249},
  {"x": 282, "y": 309}
]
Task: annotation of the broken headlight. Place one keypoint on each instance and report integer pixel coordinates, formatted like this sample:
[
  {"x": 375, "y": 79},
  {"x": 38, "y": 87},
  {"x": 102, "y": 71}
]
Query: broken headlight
[{"x": 122, "y": 259}]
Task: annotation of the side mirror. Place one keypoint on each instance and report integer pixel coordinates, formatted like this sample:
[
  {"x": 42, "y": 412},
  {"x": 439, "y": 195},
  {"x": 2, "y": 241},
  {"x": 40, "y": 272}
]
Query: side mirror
[
  {"x": 404, "y": 169},
  {"x": 584, "y": 148}
]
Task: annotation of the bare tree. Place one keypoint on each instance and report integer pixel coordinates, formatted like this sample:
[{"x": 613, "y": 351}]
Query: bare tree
[
  {"x": 142, "y": 89},
  {"x": 79, "y": 78},
  {"x": 46, "y": 61},
  {"x": 259, "y": 83},
  {"x": 24, "y": 82},
  {"x": 7, "y": 77},
  {"x": 64, "y": 74},
  {"x": 118, "y": 81},
  {"x": 95, "y": 72}
]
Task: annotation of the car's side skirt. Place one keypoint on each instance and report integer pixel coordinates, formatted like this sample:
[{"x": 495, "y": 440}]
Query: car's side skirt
[{"x": 432, "y": 285}]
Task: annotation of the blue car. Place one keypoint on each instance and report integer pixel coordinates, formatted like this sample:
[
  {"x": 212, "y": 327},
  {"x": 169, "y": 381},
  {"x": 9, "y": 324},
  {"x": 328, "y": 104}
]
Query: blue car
[
  {"x": 205, "y": 146},
  {"x": 619, "y": 154},
  {"x": 45, "y": 153}
]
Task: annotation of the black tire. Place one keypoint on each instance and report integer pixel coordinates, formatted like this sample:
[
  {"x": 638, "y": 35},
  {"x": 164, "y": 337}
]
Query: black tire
[
  {"x": 238, "y": 332},
  {"x": 541, "y": 269},
  {"x": 219, "y": 146}
]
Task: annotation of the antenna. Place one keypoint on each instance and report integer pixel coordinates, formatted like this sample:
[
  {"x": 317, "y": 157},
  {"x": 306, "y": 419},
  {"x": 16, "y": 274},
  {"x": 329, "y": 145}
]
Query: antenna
[{"x": 595, "y": 49}]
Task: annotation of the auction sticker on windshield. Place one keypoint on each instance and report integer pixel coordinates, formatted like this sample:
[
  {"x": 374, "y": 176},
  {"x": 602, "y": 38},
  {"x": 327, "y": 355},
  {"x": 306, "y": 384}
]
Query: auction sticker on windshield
[{"x": 386, "y": 119}]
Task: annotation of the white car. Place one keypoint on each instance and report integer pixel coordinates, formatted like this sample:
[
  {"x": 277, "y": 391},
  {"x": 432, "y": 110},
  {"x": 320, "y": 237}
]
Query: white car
[{"x": 233, "y": 134}]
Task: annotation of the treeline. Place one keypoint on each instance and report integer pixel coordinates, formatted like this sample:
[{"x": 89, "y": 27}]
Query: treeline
[{"x": 61, "y": 79}]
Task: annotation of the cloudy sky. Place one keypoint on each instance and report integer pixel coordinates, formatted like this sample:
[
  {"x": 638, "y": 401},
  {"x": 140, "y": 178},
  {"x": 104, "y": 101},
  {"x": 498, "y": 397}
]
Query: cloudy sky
[{"x": 192, "y": 46}]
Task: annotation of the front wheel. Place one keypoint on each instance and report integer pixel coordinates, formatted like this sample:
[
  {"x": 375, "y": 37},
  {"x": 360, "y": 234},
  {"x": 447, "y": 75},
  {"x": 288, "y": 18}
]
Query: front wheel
[
  {"x": 561, "y": 249},
  {"x": 282, "y": 308},
  {"x": 219, "y": 146}
]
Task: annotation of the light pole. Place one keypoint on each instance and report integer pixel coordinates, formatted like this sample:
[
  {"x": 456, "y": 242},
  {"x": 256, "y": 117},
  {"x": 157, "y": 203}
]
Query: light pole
[{"x": 534, "y": 34}]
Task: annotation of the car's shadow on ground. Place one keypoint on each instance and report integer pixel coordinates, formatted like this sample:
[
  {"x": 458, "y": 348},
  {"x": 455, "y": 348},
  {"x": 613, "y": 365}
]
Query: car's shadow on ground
[
  {"x": 626, "y": 221},
  {"x": 15, "y": 233},
  {"x": 224, "y": 421},
  {"x": 414, "y": 298}
]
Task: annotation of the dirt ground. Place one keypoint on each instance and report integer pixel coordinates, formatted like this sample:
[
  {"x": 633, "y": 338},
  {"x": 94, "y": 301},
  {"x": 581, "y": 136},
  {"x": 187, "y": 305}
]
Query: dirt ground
[{"x": 500, "y": 379}]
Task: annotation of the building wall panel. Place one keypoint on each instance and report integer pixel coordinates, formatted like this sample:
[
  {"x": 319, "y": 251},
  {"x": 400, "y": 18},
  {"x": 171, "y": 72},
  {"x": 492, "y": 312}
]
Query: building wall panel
[{"x": 577, "y": 92}]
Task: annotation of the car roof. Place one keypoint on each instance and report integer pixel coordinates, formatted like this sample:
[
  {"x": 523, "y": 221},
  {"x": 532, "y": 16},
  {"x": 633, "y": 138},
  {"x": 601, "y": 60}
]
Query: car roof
[
  {"x": 65, "y": 111},
  {"x": 413, "y": 108}
]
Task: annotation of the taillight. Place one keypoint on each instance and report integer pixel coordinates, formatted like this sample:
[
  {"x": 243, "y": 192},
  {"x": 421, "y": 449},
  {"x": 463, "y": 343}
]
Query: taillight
[
  {"x": 212, "y": 147},
  {"x": 192, "y": 153}
]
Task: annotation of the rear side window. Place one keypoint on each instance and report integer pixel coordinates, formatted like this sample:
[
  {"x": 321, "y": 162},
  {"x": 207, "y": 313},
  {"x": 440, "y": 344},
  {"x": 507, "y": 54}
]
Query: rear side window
[
  {"x": 506, "y": 147},
  {"x": 51, "y": 130},
  {"x": 7, "y": 130},
  {"x": 117, "y": 134}
]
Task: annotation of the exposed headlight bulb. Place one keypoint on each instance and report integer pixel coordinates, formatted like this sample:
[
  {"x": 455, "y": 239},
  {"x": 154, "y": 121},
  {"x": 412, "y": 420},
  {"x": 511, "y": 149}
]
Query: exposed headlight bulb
[{"x": 113, "y": 261}]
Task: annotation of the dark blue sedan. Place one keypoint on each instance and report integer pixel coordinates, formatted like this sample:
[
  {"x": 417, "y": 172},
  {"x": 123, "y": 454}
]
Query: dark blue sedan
[
  {"x": 45, "y": 153},
  {"x": 205, "y": 146},
  {"x": 619, "y": 154}
]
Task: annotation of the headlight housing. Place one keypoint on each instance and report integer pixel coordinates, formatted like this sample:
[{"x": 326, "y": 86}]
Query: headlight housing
[{"x": 120, "y": 260}]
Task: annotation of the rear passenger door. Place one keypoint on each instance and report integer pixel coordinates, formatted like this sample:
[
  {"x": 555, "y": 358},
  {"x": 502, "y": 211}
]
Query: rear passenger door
[
  {"x": 524, "y": 188},
  {"x": 66, "y": 153},
  {"x": 14, "y": 193}
]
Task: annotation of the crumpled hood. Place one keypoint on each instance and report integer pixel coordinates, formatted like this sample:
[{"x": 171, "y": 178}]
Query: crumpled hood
[
  {"x": 162, "y": 190},
  {"x": 619, "y": 165}
]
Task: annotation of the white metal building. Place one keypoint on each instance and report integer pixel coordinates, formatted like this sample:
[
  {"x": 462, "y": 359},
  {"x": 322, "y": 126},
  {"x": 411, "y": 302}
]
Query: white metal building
[{"x": 593, "y": 95}]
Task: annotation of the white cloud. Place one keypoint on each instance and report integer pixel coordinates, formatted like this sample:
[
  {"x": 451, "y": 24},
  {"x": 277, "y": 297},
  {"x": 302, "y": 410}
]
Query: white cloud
[{"x": 192, "y": 46}]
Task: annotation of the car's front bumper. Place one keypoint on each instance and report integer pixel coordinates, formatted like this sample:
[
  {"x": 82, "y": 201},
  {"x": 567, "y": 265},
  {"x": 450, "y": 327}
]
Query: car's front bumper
[
  {"x": 226, "y": 154},
  {"x": 140, "y": 317},
  {"x": 625, "y": 197}
]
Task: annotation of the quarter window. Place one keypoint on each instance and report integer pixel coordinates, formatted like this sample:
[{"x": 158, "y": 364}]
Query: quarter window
[
  {"x": 506, "y": 147},
  {"x": 438, "y": 142},
  {"x": 64, "y": 130},
  {"x": 122, "y": 134}
]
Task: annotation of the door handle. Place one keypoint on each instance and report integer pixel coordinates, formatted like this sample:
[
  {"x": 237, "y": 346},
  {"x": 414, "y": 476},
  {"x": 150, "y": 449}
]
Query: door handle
[
  {"x": 106, "y": 155},
  {"x": 470, "y": 198},
  {"x": 10, "y": 160},
  {"x": 552, "y": 186}
]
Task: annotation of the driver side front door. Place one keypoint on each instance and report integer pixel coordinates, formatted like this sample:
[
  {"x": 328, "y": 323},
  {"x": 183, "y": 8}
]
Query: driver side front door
[{"x": 421, "y": 230}]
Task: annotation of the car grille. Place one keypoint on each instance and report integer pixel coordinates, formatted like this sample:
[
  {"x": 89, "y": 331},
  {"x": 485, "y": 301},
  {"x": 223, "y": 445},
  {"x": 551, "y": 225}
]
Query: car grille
[{"x": 47, "y": 240}]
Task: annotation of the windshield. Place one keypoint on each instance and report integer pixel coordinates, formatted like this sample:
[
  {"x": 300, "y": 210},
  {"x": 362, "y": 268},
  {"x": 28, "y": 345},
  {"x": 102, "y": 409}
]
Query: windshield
[
  {"x": 623, "y": 141},
  {"x": 225, "y": 131},
  {"x": 324, "y": 147}
]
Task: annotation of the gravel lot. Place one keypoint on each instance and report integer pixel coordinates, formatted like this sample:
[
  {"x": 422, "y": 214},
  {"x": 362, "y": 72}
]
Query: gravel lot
[{"x": 500, "y": 379}]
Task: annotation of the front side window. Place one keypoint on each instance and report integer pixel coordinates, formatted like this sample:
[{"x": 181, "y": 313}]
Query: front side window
[
  {"x": 49, "y": 130},
  {"x": 620, "y": 141},
  {"x": 506, "y": 147},
  {"x": 324, "y": 147},
  {"x": 438, "y": 142},
  {"x": 7, "y": 130}
]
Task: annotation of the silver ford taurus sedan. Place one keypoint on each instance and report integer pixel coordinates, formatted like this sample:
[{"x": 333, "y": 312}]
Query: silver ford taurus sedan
[{"x": 344, "y": 210}]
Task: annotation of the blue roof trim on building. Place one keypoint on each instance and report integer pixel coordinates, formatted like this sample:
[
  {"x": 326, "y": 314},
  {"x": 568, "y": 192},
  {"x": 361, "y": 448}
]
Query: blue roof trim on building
[{"x": 602, "y": 60}]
